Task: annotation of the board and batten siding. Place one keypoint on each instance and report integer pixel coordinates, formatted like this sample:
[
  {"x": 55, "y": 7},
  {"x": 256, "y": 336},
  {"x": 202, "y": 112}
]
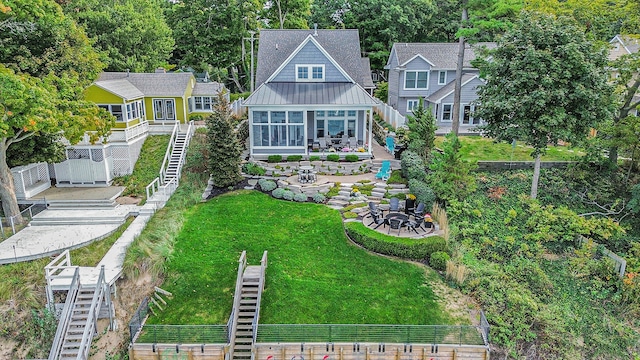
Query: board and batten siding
[{"x": 309, "y": 55}]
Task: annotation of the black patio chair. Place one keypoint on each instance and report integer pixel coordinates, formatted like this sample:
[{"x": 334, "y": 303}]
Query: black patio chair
[
  {"x": 373, "y": 208},
  {"x": 415, "y": 224},
  {"x": 418, "y": 211},
  {"x": 395, "y": 224},
  {"x": 394, "y": 205},
  {"x": 378, "y": 220}
]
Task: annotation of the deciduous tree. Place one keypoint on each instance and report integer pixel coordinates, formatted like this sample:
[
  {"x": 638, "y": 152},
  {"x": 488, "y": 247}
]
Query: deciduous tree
[
  {"x": 450, "y": 176},
  {"x": 288, "y": 14},
  {"x": 545, "y": 82}
]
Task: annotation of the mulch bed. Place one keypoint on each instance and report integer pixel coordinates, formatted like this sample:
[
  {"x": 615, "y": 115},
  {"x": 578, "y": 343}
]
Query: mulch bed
[{"x": 215, "y": 191}]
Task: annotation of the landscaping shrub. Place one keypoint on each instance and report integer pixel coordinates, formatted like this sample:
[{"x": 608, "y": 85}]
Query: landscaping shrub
[
  {"x": 287, "y": 195},
  {"x": 415, "y": 249},
  {"x": 294, "y": 158},
  {"x": 314, "y": 158},
  {"x": 278, "y": 193},
  {"x": 397, "y": 178},
  {"x": 253, "y": 169},
  {"x": 351, "y": 158},
  {"x": 235, "y": 96},
  {"x": 300, "y": 197},
  {"x": 438, "y": 260},
  {"x": 423, "y": 192},
  {"x": 349, "y": 215},
  {"x": 417, "y": 172},
  {"x": 400, "y": 196},
  {"x": 319, "y": 198},
  {"x": 410, "y": 159},
  {"x": 274, "y": 158},
  {"x": 267, "y": 185},
  {"x": 333, "y": 157}
]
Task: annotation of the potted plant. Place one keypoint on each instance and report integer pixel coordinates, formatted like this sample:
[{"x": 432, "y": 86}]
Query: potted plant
[{"x": 410, "y": 203}]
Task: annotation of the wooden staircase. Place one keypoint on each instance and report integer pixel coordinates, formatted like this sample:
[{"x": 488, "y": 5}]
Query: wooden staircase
[
  {"x": 177, "y": 157},
  {"x": 75, "y": 331},
  {"x": 246, "y": 308}
]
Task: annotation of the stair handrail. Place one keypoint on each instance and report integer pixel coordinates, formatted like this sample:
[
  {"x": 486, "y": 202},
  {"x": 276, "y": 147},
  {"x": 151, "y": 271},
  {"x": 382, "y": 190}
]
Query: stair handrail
[
  {"x": 167, "y": 154},
  {"x": 183, "y": 151},
  {"x": 242, "y": 264},
  {"x": 65, "y": 316},
  {"x": 94, "y": 310},
  {"x": 256, "y": 318}
]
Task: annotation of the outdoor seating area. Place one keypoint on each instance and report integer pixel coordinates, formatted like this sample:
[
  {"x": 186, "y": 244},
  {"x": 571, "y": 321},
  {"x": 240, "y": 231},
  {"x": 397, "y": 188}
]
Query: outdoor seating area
[
  {"x": 391, "y": 219},
  {"x": 306, "y": 175},
  {"x": 342, "y": 144}
]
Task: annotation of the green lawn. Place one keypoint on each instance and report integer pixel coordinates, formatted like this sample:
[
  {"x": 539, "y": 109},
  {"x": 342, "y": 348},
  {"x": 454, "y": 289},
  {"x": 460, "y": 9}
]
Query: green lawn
[
  {"x": 314, "y": 274},
  {"x": 484, "y": 149},
  {"x": 147, "y": 167}
]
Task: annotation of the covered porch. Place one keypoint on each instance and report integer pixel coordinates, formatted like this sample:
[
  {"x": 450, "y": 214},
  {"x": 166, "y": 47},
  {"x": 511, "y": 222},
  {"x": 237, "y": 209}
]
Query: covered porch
[{"x": 310, "y": 120}]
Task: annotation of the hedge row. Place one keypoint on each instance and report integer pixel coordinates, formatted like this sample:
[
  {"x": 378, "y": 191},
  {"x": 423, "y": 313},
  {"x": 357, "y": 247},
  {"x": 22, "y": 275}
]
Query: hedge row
[{"x": 415, "y": 249}]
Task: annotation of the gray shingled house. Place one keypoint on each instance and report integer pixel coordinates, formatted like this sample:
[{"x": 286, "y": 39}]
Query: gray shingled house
[
  {"x": 313, "y": 94},
  {"x": 428, "y": 71}
]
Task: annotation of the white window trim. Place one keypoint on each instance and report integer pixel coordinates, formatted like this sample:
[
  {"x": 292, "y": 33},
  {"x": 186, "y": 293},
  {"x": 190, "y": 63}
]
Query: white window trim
[
  {"x": 325, "y": 119},
  {"x": 287, "y": 123},
  {"x": 417, "y": 102},
  {"x": 451, "y": 113},
  {"x": 445, "y": 77},
  {"x": 192, "y": 101},
  {"x": 310, "y": 72},
  {"x": 404, "y": 83}
]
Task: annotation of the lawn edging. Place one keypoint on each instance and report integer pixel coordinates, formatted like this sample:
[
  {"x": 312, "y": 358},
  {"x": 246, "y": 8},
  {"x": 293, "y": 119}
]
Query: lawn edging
[{"x": 414, "y": 249}]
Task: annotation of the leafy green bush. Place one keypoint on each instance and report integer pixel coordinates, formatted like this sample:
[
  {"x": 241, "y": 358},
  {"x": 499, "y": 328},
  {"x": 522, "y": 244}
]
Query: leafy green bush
[
  {"x": 278, "y": 193},
  {"x": 267, "y": 185},
  {"x": 438, "y": 260},
  {"x": 319, "y": 198},
  {"x": 287, "y": 195},
  {"x": 397, "y": 178},
  {"x": 314, "y": 158},
  {"x": 333, "y": 157},
  {"x": 351, "y": 158},
  {"x": 411, "y": 160},
  {"x": 423, "y": 193},
  {"x": 415, "y": 249},
  {"x": 235, "y": 96},
  {"x": 253, "y": 169},
  {"x": 274, "y": 158},
  {"x": 302, "y": 197},
  {"x": 400, "y": 196},
  {"x": 294, "y": 158}
]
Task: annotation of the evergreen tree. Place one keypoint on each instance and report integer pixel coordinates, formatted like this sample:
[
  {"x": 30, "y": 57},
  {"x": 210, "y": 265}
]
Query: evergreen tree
[
  {"x": 450, "y": 176},
  {"x": 224, "y": 148},
  {"x": 422, "y": 130}
]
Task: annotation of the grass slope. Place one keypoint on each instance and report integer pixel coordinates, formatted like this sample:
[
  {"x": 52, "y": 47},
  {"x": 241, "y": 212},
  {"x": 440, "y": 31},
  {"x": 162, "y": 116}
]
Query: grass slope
[
  {"x": 314, "y": 274},
  {"x": 147, "y": 167},
  {"x": 484, "y": 149}
]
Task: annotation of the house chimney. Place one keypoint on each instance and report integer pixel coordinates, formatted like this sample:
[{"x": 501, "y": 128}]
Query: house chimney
[
  {"x": 315, "y": 29},
  {"x": 127, "y": 72},
  {"x": 160, "y": 70},
  {"x": 276, "y": 46}
]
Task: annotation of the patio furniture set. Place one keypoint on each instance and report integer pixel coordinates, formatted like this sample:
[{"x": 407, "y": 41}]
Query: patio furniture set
[
  {"x": 397, "y": 220},
  {"x": 340, "y": 144},
  {"x": 306, "y": 175}
]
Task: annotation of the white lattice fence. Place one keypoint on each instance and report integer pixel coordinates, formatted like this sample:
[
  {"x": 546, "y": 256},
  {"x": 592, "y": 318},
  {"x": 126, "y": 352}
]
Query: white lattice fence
[{"x": 30, "y": 180}]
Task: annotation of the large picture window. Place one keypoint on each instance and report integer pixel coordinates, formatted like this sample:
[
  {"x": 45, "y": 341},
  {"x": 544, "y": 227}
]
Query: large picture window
[
  {"x": 278, "y": 128},
  {"x": 416, "y": 80},
  {"x": 126, "y": 112},
  {"x": 336, "y": 123}
]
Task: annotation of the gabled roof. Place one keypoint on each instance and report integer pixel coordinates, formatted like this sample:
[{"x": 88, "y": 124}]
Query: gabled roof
[
  {"x": 276, "y": 46},
  {"x": 441, "y": 55},
  {"x": 121, "y": 88},
  {"x": 448, "y": 89},
  {"x": 153, "y": 84},
  {"x": 303, "y": 93},
  {"x": 623, "y": 45}
]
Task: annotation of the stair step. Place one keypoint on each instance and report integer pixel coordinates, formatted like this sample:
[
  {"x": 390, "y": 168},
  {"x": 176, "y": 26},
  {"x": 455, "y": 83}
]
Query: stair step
[
  {"x": 247, "y": 314},
  {"x": 244, "y": 334},
  {"x": 247, "y": 307},
  {"x": 245, "y": 321},
  {"x": 248, "y": 301},
  {"x": 74, "y": 336},
  {"x": 242, "y": 347},
  {"x": 244, "y": 327}
]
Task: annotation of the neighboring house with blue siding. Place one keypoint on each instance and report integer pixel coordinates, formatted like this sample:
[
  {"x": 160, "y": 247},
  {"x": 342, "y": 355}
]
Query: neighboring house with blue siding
[
  {"x": 428, "y": 71},
  {"x": 312, "y": 87}
]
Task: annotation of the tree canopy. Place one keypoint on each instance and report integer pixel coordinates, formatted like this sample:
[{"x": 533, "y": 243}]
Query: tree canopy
[
  {"x": 545, "y": 83},
  {"x": 287, "y": 14},
  {"x": 130, "y": 34}
]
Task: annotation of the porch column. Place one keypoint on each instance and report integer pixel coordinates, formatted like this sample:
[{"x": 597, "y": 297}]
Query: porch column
[{"x": 370, "y": 118}]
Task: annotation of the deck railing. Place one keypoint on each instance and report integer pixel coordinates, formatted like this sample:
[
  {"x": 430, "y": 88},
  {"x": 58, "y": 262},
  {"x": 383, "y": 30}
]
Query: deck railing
[
  {"x": 233, "y": 319},
  {"x": 182, "y": 334},
  {"x": 403, "y": 334},
  {"x": 65, "y": 316},
  {"x": 90, "y": 327},
  {"x": 167, "y": 154}
]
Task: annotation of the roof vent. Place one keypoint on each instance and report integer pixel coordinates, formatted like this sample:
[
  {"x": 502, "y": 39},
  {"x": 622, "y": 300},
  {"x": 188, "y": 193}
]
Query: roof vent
[
  {"x": 160, "y": 70},
  {"x": 315, "y": 29},
  {"x": 276, "y": 46},
  {"x": 127, "y": 72}
]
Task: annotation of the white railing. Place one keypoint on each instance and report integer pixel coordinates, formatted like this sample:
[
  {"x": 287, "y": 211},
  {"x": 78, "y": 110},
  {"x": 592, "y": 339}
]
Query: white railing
[
  {"x": 55, "y": 270},
  {"x": 256, "y": 318},
  {"x": 183, "y": 152},
  {"x": 90, "y": 325},
  {"x": 390, "y": 115},
  {"x": 130, "y": 132},
  {"x": 233, "y": 319},
  {"x": 167, "y": 154},
  {"x": 29, "y": 180},
  {"x": 65, "y": 316},
  {"x": 237, "y": 108}
]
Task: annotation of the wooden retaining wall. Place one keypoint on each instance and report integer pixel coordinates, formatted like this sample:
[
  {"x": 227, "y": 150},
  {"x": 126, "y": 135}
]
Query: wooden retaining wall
[
  {"x": 369, "y": 351},
  {"x": 314, "y": 351},
  {"x": 177, "y": 352}
]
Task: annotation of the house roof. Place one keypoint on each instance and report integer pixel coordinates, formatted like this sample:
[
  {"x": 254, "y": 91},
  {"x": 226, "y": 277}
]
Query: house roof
[
  {"x": 121, "y": 88},
  {"x": 343, "y": 46},
  {"x": 153, "y": 84},
  {"x": 446, "y": 90},
  {"x": 440, "y": 55},
  {"x": 623, "y": 45},
  {"x": 289, "y": 93},
  {"x": 207, "y": 88}
]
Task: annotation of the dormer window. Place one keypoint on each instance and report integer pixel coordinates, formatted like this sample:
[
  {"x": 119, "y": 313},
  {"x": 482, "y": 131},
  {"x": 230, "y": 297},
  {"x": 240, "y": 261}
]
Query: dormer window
[{"x": 309, "y": 72}]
